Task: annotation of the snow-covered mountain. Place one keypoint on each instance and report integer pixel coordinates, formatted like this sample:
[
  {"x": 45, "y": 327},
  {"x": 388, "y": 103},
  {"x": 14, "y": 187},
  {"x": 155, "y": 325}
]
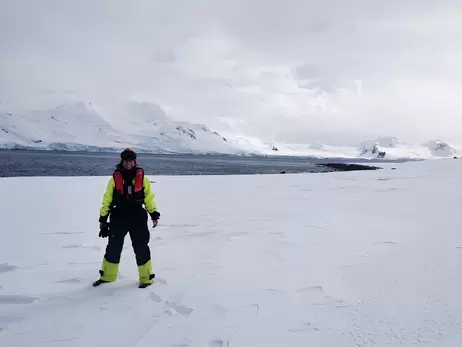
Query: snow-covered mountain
[
  {"x": 440, "y": 148},
  {"x": 146, "y": 127},
  {"x": 79, "y": 126},
  {"x": 383, "y": 148},
  {"x": 392, "y": 148},
  {"x": 66, "y": 126}
]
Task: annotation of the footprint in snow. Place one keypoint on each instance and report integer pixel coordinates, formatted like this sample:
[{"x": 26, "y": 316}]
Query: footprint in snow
[
  {"x": 155, "y": 297},
  {"x": 349, "y": 265},
  {"x": 307, "y": 327},
  {"x": 219, "y": 310},
  {"x": 70, "y": 339},
  {"x": 278, "y": 233},
  {"x": 200, "y": 234},
  {"x": 5, "y": 321},
  {"x": 181, "y": 225},
  {"x": 7, "y": 267},
  {"x": 71, "y": 280},
  {"x": 184, "y": 343},
  {"x": 238, "y": 233},
  {"x": 17, "y": 299},
  {"x": 95, "y": 247},
  {"x": 315, "y": 296},
  {"x": 61, "y": 233},
  {"x": 303, "y": 330},
  {"x": 83, "y": 262},
  {"x": 160, "y": 280},
  {"x": 218, "y": 343},
  {"x": 255, "y": 307},
  {"x": 274, "y": 291},
  {"x": 315, "y": 289},
  {"x": 183, "y": 310}
]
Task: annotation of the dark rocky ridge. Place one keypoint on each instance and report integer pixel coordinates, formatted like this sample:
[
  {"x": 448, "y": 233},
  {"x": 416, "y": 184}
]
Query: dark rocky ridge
[{"x": 349, "y": 167}]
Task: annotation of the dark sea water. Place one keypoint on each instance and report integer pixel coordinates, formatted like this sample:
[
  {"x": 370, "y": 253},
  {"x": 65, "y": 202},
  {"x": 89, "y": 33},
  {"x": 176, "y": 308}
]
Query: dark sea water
[{"x": 54, "y": 163}]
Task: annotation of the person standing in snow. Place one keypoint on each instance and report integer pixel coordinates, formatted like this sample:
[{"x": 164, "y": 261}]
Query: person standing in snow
[{"x": 126, "y": 192}]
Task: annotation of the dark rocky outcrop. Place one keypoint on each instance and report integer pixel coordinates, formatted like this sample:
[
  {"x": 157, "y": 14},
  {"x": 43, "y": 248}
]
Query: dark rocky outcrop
[
  {"x": 373, "y": 149},
  {"x": 187, "y": 131},
  {"x": 349, "y": 167}
]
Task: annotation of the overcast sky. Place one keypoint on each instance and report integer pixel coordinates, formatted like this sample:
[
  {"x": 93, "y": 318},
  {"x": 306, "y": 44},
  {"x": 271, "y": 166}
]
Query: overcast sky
[{"x": 301, "y": 70}]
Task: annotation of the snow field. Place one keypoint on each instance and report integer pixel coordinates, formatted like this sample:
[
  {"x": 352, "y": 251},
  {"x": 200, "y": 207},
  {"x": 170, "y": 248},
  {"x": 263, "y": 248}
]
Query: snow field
[{"x": 370, "y": 258}]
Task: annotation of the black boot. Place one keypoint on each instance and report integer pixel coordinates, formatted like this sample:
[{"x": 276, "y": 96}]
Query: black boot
[
  {"x": 144, "y": 285},
  {"x": 98, "y": 282}
]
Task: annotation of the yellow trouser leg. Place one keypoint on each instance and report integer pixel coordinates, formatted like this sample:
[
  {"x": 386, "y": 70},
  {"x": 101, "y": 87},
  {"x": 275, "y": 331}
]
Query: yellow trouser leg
[
  {"x": 145, "y": 272},
  {"x": 109, "y": 271}
]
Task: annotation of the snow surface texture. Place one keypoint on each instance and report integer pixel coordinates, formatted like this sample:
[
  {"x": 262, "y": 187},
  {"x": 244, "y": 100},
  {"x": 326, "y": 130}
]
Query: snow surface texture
[
  {"x": 370, "y": 258},
  {"x": 146, "y": 127}
]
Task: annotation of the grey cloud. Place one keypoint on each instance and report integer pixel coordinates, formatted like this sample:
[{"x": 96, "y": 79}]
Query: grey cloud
[{"x": 298, "y": 70}]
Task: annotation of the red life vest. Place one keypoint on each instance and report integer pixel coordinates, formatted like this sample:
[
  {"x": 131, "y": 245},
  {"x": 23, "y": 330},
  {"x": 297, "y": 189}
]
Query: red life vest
[
  {"x": 127, "y": 192},
  {"x": 119, "y": 181}
]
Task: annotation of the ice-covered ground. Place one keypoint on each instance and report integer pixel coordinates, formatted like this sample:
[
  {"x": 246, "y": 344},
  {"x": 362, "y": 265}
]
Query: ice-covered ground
[{"x": 370, "y": 258}]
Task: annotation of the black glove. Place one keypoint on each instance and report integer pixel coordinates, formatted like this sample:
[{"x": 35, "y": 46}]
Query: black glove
[
  {"x": 104, "y": 229},
  {"x": 155, "y": 215}
]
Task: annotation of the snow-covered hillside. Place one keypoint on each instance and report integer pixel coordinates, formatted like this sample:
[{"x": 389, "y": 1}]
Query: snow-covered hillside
[
  {"x": 440, "y": 148},
  {"x": 370, "y": 258},
  {"x": 391, "y": 147},
  {"x": 79, "y": 126},
  {"x": 146, "y": 127},
  {"x": 383, "y": 148}
]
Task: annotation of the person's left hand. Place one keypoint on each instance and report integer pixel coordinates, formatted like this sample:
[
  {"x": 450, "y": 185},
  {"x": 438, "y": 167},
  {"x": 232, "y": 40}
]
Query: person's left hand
[{"x": 155, "y": 218}]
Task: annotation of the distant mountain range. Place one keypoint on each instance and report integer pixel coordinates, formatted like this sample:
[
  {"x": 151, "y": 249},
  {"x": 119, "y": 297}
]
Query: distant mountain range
[{"x": 146, "y": 127}]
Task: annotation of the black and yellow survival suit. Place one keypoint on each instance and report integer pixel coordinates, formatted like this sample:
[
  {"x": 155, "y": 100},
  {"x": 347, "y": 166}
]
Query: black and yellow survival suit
[{"x": 126, "y": 192}]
